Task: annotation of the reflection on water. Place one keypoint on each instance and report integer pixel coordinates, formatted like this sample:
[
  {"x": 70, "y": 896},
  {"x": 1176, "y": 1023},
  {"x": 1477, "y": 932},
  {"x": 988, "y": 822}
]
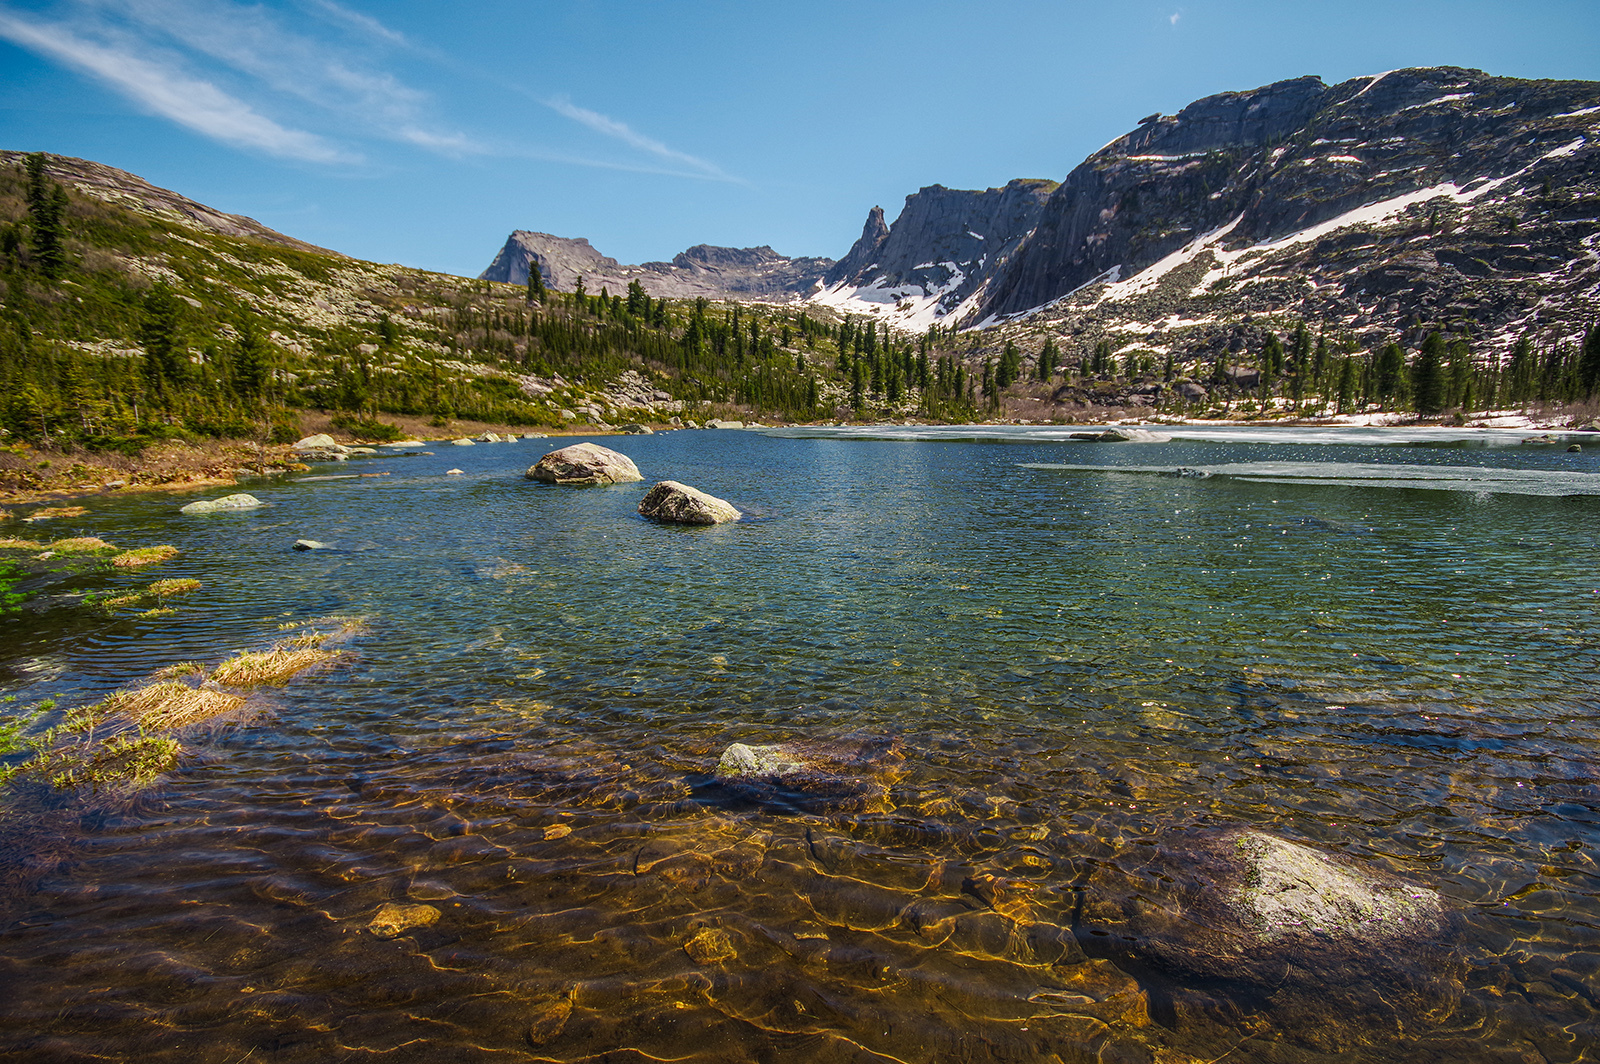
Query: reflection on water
[{"x": 495, "y": 832}]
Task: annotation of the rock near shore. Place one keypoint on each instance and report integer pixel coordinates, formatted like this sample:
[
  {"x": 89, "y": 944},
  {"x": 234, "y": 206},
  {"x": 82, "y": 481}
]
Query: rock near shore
[
  {"x": 584, "y": 463},
  {"x": 227, "y": 502}
]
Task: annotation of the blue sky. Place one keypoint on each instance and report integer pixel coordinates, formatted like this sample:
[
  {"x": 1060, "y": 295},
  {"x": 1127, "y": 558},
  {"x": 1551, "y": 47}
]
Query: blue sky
[{"x": 424, "y": 131}]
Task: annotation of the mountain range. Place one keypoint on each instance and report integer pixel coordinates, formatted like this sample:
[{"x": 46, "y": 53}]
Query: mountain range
[{"x": 1439, "y": 195}]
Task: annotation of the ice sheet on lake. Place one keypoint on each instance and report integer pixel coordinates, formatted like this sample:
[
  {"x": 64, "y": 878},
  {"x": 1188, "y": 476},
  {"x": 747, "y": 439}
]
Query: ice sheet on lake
[{"x": 1476, "y": 479}]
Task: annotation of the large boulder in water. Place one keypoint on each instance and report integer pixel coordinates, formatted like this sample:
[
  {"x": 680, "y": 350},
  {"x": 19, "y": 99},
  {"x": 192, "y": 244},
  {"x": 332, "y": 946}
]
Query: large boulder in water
[
  {"x": 1322, "y": 933},
  {"x": 227, "y": 502},
  {"x": 584, "y": 463},
  {"x": 678, "y": 504}
]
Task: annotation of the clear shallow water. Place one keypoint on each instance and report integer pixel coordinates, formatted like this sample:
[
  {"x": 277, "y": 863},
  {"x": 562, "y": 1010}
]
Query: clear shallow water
[{"x": 1081, "y": 655}]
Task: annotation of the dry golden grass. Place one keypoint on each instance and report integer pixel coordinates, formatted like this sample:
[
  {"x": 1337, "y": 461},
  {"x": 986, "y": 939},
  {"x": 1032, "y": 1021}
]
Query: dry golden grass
[
  {"x": 81, "y": 545},
  {"x": 47, "y": 513},
  {"x": 181, "y": 669},
  {"x": 12, "y": 543},
  {"x": 314, "y": 637},
  {"x": 171, "y": 705},
  {"x": 277, "y": 666},
  {"x": 132, "y": 559},
  {"x": 175, "y": 586}
]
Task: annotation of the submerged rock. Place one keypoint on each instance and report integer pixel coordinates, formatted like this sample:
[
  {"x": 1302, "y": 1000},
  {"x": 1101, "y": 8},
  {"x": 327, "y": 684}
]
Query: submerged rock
[
  {"x": 672, "y": 503},
  {"x": 1122, "y": 434},
  {"x": 846, "y": 775},
  {"x": 718, "y": 423},
  {"x": 311, "y": 544},
  {"x": 584, "y": 463},
  {"x": 1247, "y": 907},
  {"x": 394, "y": 919},
  {"x": 463, "y": 442},
  {"x": 227, "y": 502}
]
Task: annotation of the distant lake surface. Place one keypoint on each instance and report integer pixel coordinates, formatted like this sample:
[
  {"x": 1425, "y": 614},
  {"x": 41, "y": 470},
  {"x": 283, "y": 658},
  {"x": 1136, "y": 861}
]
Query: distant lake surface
[{"x": 1380, "y": 644}]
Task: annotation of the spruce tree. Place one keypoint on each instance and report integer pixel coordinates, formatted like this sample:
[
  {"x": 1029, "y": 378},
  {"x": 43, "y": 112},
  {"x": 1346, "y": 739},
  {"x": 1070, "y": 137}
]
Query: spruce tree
[
  {"x": 1427, "y": 376},
  {"x": 1047, "y": 359},
  {"x": 158, "y": 332},
  {"x": 535, "y": 282},
  {"x": 1589, "y": 364}
]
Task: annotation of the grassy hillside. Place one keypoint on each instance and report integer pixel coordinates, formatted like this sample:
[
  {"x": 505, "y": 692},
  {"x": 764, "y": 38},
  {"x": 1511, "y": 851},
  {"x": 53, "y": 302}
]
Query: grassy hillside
[{"x": 150, "y": 322}]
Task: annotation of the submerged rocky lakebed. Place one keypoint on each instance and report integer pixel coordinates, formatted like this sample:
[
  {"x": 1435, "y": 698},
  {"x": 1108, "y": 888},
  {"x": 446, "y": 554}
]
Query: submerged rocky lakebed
[{"x": 1291, "y": 757}]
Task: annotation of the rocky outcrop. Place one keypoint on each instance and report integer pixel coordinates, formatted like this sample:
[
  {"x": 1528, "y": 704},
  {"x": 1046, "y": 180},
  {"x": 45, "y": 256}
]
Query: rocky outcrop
[
  {"x": 943, "y": 247},
  {"x": 701, "y": 271},
  {"x": 670, "y": 502},
  {"x": 1483, "y": 181},
  {"x": 240, "y": 501},
  {"x": 584, "y": 463},
  {"x": 110, "y": 185}
]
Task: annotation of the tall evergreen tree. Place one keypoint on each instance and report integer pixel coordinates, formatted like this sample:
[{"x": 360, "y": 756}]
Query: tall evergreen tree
[
  {"x": 47, "y": 211},
  {"x": 1589, "y": 364},
  {"x": 1427, "y": 376},
  {"x": 535, "y": 282},
  {"x": 1389, "y": 370},
  {"x": 1047, "y": 359},
  {"x": 164, "y": 357}
]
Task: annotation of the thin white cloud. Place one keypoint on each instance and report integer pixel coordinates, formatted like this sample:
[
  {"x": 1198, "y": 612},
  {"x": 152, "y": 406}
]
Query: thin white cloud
[
  {"x": 196, "y": 104},
  {"x": 621, "y": 131},
  {"x": 250, "y": 41},
  {"x": 365, "y": 24},
  {"x": 1174, "y": 17}
]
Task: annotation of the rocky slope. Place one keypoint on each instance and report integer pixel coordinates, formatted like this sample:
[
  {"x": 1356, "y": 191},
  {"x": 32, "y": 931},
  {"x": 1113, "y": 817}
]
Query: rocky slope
[
  {"x": 703, "y": 270},
  {"x": 945, "y": 245},
  {"x": 113, "y": 186},
  {"x": 1437, "y": 196}
]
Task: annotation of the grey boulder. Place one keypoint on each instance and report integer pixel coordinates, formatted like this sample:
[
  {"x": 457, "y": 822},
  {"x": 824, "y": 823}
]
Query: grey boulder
[
  {"x": 584, "y": 463},
  {"x": 227, "y": 502},
  {"x": 678, "y": 504}
]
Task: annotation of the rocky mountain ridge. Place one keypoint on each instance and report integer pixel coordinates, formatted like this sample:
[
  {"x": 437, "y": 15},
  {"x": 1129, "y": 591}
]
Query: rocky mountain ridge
[
  {"x": 703, "y": 270},
  {"x": 943, "y": 247},
  {"x": 1438, "y": 195}
]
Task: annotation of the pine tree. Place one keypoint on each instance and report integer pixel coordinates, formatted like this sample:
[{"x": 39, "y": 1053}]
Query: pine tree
[
  {"x": 1589, "y": 364},
  {"x": 1047, "y": 359},
  {"x": 1389, "y": 371},
  {"x": 1427, "y": 376},
  {"x": 535, "y": 282},
  {"x": 250, "y": 353},
  {"x": 158, "y": 332},
  {"x": 47, "y": 211}
]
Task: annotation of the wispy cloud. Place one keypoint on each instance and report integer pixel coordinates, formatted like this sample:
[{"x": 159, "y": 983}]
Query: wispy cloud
[
  {"x": 621, "y": 131},
  {"x": 1174, "y": 17},
  {"x": 364, "y": 24},
  {"x": 231, "y": 69},
  {"x": 191, "y": 102},
  {"x": 250, "y": 41}
]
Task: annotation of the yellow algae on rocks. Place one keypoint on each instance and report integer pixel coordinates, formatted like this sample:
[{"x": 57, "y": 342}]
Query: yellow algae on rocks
[
  {"x": 711, "y": 945},
  {"x": 392, "y": 919}
]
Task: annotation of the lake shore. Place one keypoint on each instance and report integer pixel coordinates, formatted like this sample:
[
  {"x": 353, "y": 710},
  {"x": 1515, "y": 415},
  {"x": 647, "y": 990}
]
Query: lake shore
[{"x": 31, "y": 475}]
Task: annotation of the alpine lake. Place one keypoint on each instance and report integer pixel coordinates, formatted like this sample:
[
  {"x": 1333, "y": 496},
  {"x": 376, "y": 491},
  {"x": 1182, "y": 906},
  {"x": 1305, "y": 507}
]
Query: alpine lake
[{"x": 1044, "y": 673}]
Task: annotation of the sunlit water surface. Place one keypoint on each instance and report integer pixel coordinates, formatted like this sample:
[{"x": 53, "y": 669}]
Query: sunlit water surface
[{"x": 1379, "y": 649}]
